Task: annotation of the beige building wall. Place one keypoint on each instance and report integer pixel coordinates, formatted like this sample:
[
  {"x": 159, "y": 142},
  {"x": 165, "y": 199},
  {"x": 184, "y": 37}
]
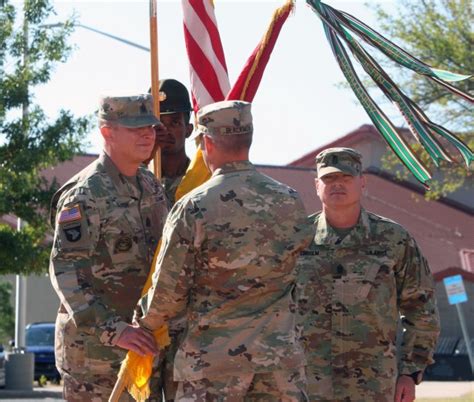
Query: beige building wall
[{"x": 42, "y": 303}]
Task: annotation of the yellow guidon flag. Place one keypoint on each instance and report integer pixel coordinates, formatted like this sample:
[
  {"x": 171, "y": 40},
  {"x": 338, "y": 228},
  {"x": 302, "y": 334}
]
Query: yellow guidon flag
[{"x": 135, "y": 370}]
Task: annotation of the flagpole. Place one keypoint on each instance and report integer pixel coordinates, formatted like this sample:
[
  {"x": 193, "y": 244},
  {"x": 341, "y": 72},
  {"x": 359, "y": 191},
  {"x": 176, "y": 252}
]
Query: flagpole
[
  {"x": 155, "y": 80},
  {"x": 155, "y": 87},
  {"x": 118, "y": 389}
]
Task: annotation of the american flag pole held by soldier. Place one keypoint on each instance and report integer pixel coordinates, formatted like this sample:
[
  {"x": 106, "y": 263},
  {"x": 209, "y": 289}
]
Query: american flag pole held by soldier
[{"x": 155, "y": 79}]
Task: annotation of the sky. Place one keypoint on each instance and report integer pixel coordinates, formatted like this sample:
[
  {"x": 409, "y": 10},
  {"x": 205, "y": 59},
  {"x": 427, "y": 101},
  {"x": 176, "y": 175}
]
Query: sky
[{"x": 298, "y": 107}]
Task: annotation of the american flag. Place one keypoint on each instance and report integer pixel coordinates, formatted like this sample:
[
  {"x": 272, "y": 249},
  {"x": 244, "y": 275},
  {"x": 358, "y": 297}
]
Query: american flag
[
  {"x": 208, "y": 69},
  {"x": 70, "y": 214},
  {"x": 209, "y": 78}
]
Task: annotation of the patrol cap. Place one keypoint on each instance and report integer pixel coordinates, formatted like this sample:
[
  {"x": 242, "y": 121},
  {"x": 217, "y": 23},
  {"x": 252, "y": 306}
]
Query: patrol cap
[
  {"x": 128, "y": 111},
  {"x": 224, "y": 118},
  {"x": 174, "y": 97},
  {"x": 343, "y": 160}
]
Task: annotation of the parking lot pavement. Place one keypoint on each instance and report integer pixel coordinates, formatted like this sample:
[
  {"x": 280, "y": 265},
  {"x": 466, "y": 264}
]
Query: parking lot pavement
[
  {"x": 444, "y": 389},
  {"x": 47, "y": 393},
  {"x": 428, "y": 389}
]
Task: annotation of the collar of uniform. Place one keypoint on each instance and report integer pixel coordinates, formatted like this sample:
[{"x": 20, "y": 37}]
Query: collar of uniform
[
  {"x": 188, "y": 161},
  {"x": 234, "y": 167},
  {"x": 123, "y": 188},
  {"x": 325, "y": 233}
]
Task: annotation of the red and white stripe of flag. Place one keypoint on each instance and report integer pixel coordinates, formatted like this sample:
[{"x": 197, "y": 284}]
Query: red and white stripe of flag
[{"x": 208, "y": 70}]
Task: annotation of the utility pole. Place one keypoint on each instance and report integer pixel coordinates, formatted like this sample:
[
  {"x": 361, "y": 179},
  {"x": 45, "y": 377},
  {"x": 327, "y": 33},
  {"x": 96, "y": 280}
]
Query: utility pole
[
  {"x": 19, "y": 365},
  {"x": 20, "y": 304},
  {"x": 20, "y": 307}
]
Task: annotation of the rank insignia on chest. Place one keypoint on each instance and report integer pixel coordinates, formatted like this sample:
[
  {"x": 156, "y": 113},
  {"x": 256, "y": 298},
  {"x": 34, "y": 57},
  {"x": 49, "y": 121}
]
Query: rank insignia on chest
[
  {"x": 123, "y": 243},
  {"x": 73, "y": 233},
  {"x": 378, "y": 253},
  {"x": 310, "y": 252}
]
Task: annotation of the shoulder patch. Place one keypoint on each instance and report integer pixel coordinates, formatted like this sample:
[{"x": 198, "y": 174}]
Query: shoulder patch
[
  {"x": 73, "y": 228},
  {"x": 70, "y": 214},
  {"x": 73, "y": 233}
]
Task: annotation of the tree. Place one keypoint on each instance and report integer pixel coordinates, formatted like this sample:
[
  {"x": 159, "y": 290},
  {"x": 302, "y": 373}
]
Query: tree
[
  {"x": 7, "y": 324},
  {"x": 438, "y": 32},
  {"x": 29, "y": 140}
]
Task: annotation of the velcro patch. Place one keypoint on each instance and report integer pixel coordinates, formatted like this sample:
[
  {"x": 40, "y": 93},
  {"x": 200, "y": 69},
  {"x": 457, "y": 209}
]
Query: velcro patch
[
  {"x": 73, "y": 234},
  {"x": 70, "y": 214},
  {"x": 246, "y": 129}
]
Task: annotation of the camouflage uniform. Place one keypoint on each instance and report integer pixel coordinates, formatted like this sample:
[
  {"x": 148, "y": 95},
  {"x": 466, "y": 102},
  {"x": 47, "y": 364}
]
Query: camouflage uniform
[
  {"x": 228, "y": 263},
  {"x": 351, "y": 292},
  {"x": 170, "y": 185},
  {"x": 107, "y": 229},
  {"x": 285, "y": 385},
  {"x": 174, "y": 99}
]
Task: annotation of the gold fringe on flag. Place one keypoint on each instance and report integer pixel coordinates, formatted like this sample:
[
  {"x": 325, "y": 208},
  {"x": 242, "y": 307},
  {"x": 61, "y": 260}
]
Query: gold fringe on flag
[{"x": 278, "y": 13}]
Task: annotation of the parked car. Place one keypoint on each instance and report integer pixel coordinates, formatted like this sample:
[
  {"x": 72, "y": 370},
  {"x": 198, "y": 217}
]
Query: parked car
[
  {"x": 40, "y": 341},
  {"x": 2, "y": 366}
]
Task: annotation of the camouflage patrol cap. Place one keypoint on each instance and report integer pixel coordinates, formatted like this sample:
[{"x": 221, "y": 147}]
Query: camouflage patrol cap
[
  {"x": 224, "y": 118},
  {"x": 335, "y": 160},
  {"x": 174, "y": 97},
  {"x": 128, "y": 111}
]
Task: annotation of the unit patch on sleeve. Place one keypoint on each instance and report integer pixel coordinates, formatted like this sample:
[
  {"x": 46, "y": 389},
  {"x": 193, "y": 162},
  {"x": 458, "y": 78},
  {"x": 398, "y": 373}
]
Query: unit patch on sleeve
[
  {"x": 70, "y": 214},
  {"x": 73, "y": 232},
  {"x": 73, "y": 228}
]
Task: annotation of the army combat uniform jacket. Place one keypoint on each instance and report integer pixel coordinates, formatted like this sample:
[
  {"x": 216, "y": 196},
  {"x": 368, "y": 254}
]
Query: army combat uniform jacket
[
  {"x": 171, "y": 184},
  {"x": 352, "y": 291},
  {"x": 228, "y": 262},
  {"x": 107, "y": 229}
]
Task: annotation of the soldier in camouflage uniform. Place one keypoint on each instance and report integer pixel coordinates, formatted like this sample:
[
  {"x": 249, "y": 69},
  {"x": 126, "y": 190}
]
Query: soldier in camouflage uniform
[
  {"x": 358, "y": 276},
  {"x": 109, "y": 220},
  {"x": 228, "y": 262},
  {"x": 175, "y": 112}
]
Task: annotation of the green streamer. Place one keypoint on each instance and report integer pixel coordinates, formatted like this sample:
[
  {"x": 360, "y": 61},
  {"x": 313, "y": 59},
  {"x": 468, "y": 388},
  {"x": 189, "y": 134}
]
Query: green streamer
[{"x": 339, "y": 24}]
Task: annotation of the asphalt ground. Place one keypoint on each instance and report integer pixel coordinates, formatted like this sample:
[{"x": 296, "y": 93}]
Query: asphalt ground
[
  {"x": 47, "y": 393},
  {"x": 462, "y": 391}
]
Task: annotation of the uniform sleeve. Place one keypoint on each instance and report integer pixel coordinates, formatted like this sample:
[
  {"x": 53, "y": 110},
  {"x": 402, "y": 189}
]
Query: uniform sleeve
[
  {"x": 417, "y": 304},
  {"x": 174, "y": 271},
  {"x": 77, "y": 232}
]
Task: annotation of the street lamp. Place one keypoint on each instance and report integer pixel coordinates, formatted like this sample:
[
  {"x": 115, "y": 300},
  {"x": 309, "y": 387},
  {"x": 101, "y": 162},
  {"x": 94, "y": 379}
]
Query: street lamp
[
  {"x": 117, "y": 38},
  {"x": 156, "y": 165}
]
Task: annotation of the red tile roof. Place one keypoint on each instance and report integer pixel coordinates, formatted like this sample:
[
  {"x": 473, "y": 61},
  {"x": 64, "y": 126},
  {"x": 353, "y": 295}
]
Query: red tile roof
[
  {"x": 64, "y": 171},
  {"x": 354, "y": 137}
]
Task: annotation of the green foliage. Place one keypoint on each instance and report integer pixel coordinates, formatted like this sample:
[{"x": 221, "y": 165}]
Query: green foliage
[
  {"x": 42, "y": 381},
  {"x": 7, "y": 324},
  {"x": 29, "y": 141},
  {"x": 438, "y": 32},
  {"x": 454, "y": 176}
]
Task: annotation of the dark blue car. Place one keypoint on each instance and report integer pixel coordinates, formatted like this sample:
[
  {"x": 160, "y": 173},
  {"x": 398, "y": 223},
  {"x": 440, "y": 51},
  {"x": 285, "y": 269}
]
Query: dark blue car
[
  {"x": 40, "y": 341},
  {"x": 2, "y": 366}
]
